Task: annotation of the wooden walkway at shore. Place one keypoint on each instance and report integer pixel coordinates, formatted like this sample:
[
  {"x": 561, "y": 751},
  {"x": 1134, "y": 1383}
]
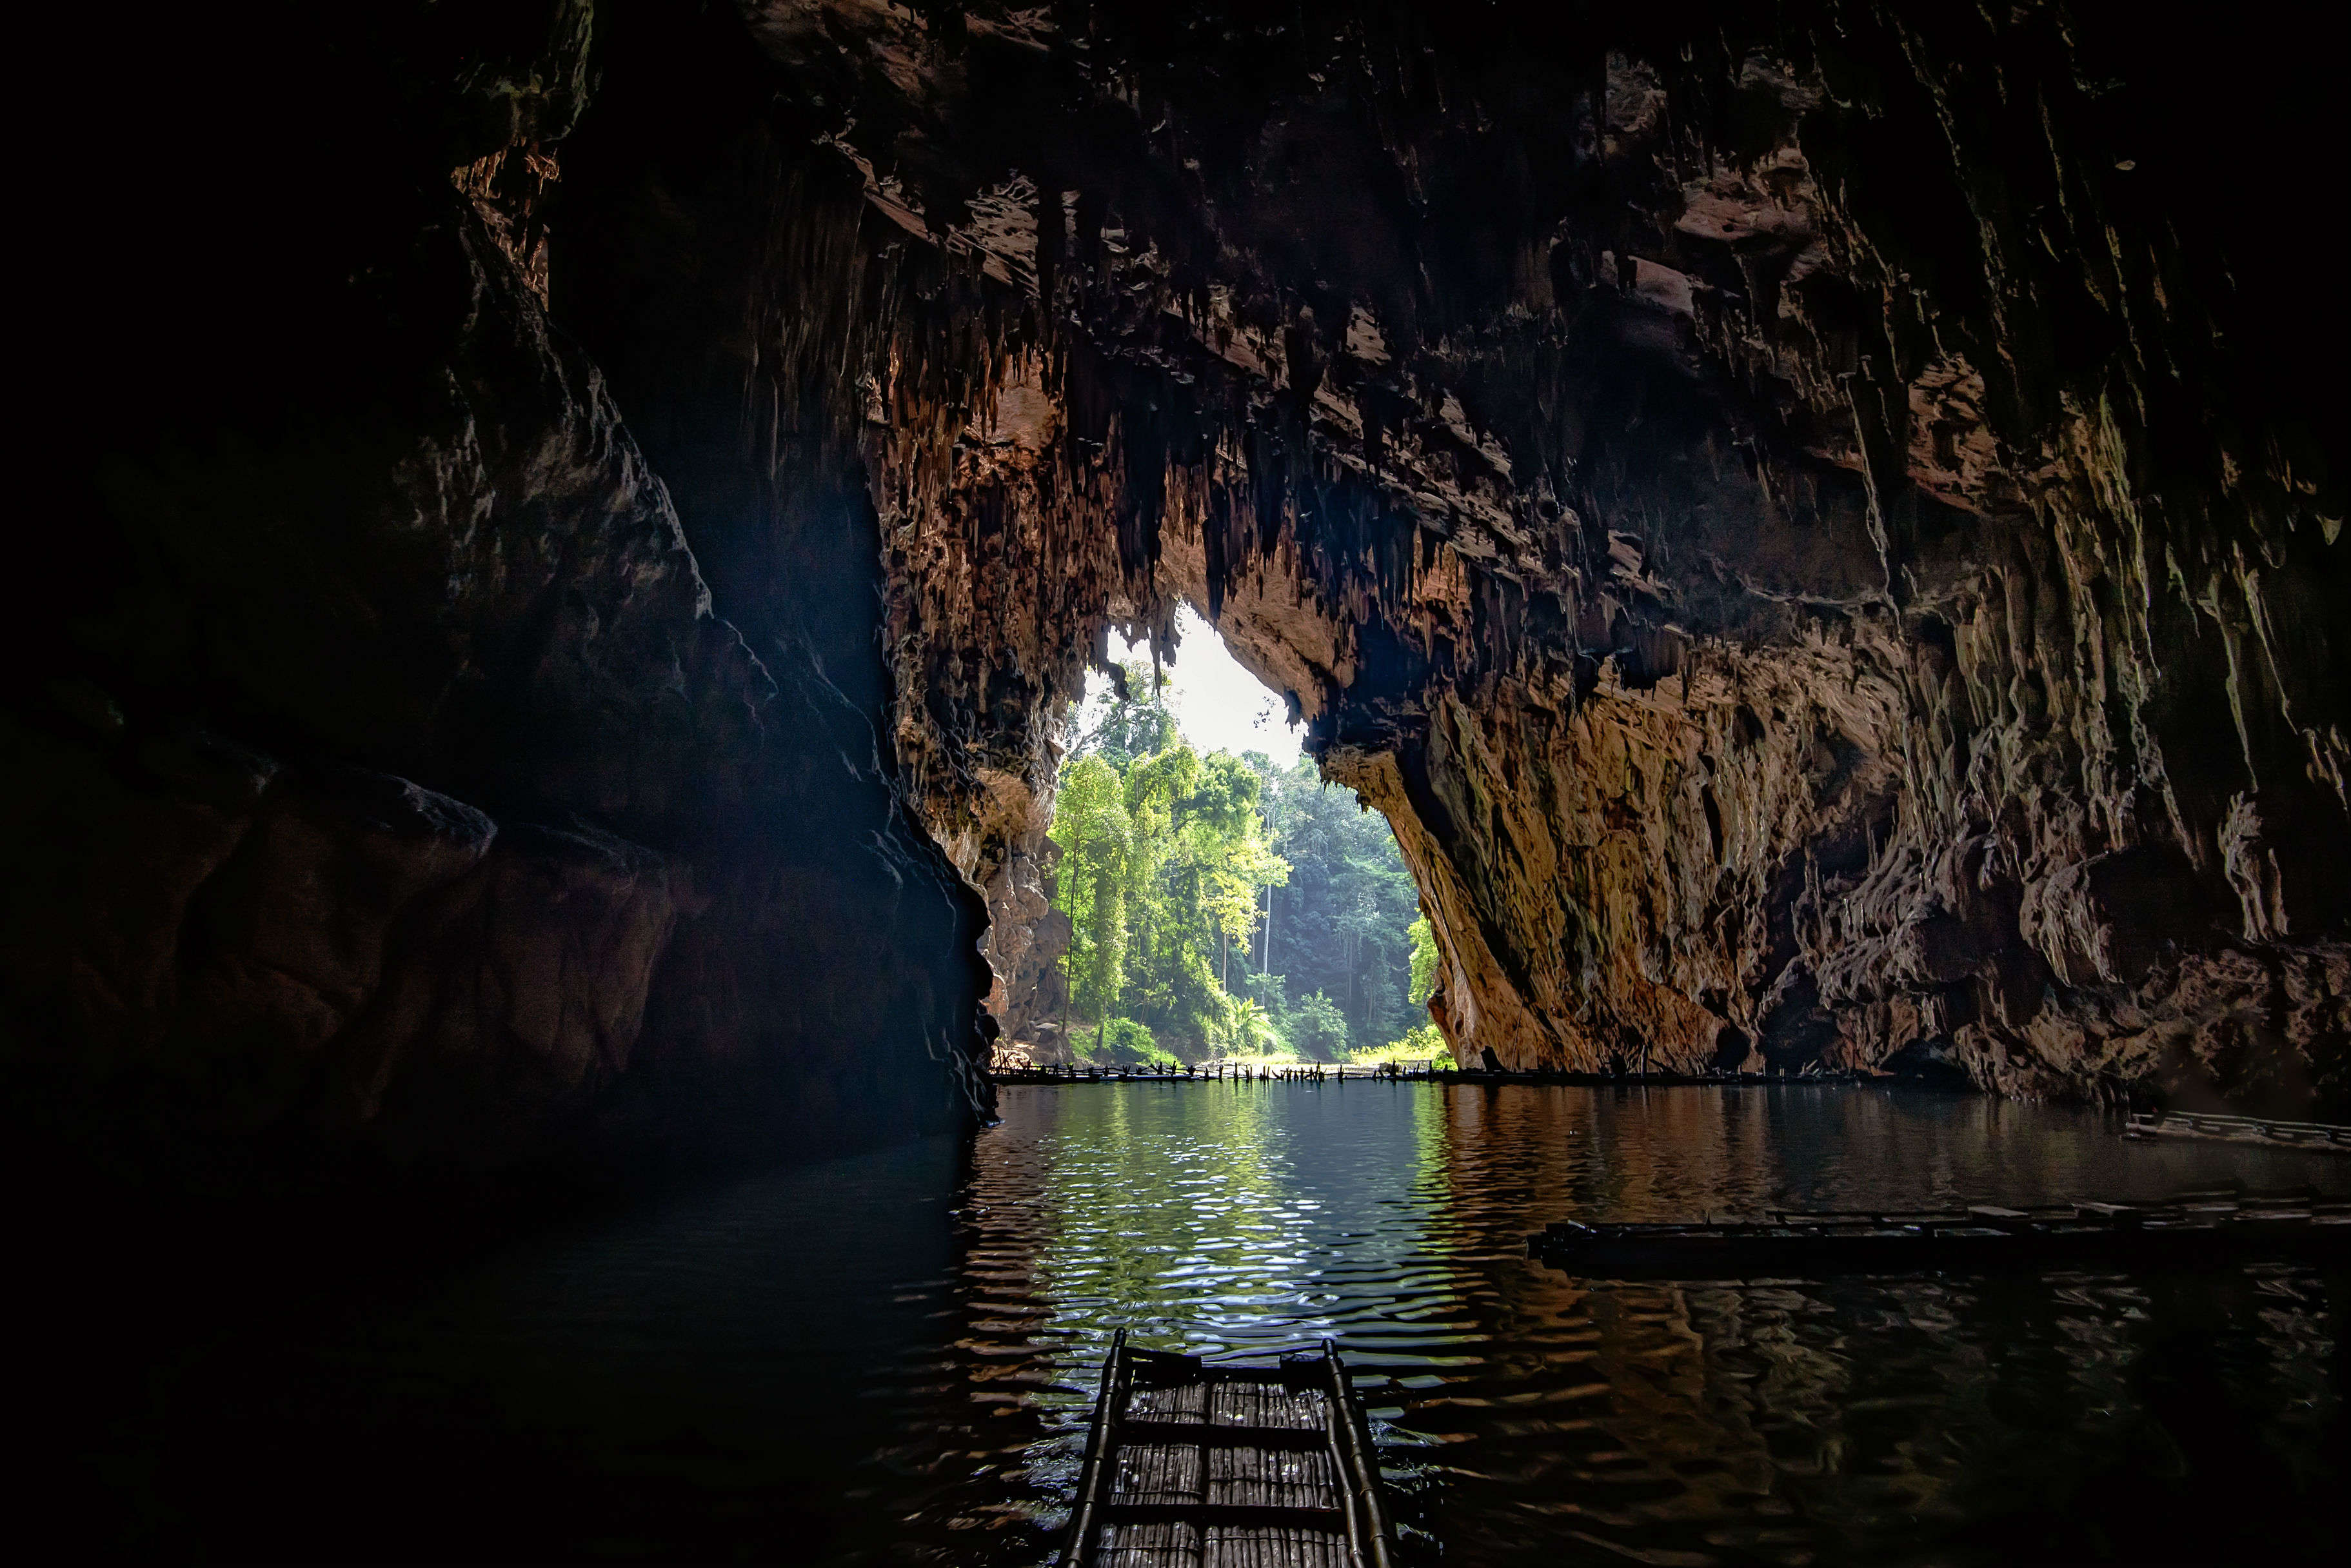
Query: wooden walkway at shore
[
  {"x": 2197, "y": 1230},
  {"x": 1200, "y": 1464},
  {"x": 1245, "y": 1072},
  {"x": 2251, "y": 1132}
]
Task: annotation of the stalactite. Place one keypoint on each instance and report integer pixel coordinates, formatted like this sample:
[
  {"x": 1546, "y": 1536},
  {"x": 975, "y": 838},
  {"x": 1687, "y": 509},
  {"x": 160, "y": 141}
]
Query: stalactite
[{"x": 1540, "y": 502}]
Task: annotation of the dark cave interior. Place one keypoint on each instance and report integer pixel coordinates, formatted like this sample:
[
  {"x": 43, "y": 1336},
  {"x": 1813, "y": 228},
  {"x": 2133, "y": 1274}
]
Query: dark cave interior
[{"x": 571, "y": 526}]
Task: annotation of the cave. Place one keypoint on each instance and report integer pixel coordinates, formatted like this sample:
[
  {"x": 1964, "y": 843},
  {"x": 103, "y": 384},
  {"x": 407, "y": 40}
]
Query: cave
[{"x": 571, "y": 531}]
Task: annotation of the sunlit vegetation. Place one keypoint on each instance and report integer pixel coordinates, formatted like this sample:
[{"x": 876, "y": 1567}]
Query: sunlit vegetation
[
  {"x": 1224, "y": 907},
  {"x": 1421, "y": 1047},
  {"x": 1421, "y": 1043}
]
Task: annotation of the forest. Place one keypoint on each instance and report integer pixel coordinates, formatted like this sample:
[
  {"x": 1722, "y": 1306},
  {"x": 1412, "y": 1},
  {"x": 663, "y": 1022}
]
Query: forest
[{"x": 1224, "y": 906}]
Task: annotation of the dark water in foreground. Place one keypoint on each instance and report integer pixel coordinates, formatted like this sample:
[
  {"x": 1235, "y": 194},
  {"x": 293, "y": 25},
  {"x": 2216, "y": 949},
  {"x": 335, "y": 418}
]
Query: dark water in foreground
[{"x": 890, "y": 1358}]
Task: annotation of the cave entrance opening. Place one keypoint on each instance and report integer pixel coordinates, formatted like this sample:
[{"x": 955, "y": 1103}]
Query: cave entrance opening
[
  {"x": 1222, "y": 901},
  {"x": 1216, "y": 702}
]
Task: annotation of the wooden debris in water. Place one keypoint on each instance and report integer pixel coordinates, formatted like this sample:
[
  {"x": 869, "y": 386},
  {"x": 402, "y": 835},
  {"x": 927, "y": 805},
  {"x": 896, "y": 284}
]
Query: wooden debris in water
[
  {"x": 2261, "y": 1131},
  {"x": 2222, "y": 1227}
]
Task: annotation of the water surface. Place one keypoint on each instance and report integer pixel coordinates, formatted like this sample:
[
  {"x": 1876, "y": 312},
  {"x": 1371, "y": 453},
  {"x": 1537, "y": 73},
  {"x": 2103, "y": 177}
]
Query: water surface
[
  {"x": 891, "y": 1358},
  {"x": 1525, "y": 1417}
]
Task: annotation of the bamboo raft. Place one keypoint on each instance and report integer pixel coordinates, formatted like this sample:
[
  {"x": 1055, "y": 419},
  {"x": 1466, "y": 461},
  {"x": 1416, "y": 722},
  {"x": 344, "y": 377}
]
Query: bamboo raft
[
  {"x": 2192, "y": 1231},
  {"x": 1194, "y": 1464}
]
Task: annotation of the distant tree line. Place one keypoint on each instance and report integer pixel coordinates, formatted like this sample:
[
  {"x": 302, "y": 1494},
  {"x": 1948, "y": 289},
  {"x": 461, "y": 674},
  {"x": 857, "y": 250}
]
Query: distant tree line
[{"x": 1222, "y": 905}]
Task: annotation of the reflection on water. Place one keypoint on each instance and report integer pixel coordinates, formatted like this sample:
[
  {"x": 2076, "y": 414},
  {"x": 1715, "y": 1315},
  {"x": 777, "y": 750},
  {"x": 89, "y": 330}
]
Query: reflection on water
[
  {"x": 1526, "y": 1417},
  {"x": 890, "y": 1359}
]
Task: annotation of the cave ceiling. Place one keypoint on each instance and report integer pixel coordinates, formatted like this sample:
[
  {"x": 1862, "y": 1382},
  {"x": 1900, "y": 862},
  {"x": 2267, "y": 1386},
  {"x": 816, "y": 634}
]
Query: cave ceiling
[{"x": 1803, "y": 520}]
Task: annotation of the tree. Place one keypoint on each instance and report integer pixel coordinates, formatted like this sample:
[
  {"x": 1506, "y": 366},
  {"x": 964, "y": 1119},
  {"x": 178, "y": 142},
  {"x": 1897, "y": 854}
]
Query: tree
[
  {"x": 1423, "y": 963},
  {"x": 1191, "y": 866},
  {"x": 1192, "y": 880},
  {"x": 1341, "y": 922},
  {"x": 1131, "y": 720},
  {"x": 1228, "y": 850},
  {"x": 1096, "y": 835},
  {"x": 1248, "y": 1027},
  {"x": 1167, "y": 980},
  {"x": 1129, "y": 1044},
  {"x": 1317, "y": 1029}
]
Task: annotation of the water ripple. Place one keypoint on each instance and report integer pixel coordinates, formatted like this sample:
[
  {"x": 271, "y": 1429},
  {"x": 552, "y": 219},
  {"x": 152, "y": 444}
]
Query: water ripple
[{"x": 1526, "y": 1417}]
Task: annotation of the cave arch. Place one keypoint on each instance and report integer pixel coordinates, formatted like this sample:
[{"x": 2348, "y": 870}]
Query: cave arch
[
  {"x": 1536, "y": 565},
  {"x": 1784, "y": 551}
]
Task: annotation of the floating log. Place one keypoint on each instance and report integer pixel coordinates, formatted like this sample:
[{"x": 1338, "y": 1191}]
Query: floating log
[
  {"x": 2192, "y": 1231},
  {"x": 1197, "y": 1464},
  {"x": 2262, "y": 1132}
]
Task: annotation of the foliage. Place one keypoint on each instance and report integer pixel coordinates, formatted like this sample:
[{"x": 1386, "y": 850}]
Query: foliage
[
  {"x": 1341, "y": 924},
  {"x": 1163, "y": 856},
  {"x": 1222, "y": 903},
  {"x": 1248, "y": 1029},
  {"x": 1123, "y": 1042},
  {"x": 1135, "y": 720},
  {"x": 1423, "y": 963},
  {"x": 1316, "y": 1029},
  {"x": 1097, "y": 840},
  {"x": 1416, "y": 1049}
]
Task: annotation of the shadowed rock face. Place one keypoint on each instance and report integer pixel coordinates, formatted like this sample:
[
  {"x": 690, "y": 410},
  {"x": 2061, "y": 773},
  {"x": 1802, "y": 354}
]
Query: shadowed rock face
[
  {"x": 380, "y": 762},
  {"x": 1818, "y": 528}
]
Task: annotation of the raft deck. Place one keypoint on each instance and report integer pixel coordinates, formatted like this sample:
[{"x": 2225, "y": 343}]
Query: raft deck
[
  {"x": 1194, "y": 1464},
  {"x": 2192, "y": 1231}
]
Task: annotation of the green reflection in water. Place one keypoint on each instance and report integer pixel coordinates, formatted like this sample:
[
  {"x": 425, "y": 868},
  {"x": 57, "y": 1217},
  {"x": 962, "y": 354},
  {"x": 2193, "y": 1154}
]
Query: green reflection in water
[
  {"x": 1216, "y": 1216},
  {"x": 1959, "y": 1421}
]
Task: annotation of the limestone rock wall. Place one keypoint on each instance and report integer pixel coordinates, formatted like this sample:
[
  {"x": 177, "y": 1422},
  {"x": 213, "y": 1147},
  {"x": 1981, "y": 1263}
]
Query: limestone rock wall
[
  {"x": 329, "y": 945},
  {"x": 1809, "y": 525}
]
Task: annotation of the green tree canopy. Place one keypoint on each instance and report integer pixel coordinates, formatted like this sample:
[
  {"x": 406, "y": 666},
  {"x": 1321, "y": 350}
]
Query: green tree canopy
[
  {"x": 1341, "y": 924},
  {"x": 1423, "y": 963},
  {"x": 1221, "y": 903},
  {"x": 1096, "y": 837},
  {"x": 1164, "y": 859},
  {"x": 1134, "y": 720},
  {"x": 1316, "y": 1028}
]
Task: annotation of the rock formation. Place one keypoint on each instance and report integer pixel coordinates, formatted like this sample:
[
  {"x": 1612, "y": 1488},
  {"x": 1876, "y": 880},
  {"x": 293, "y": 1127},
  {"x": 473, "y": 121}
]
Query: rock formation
[
  {"x": 381, "y": 763},
  {"x": 576, "y": 524},
  {"x": 1808, "y": 529}
]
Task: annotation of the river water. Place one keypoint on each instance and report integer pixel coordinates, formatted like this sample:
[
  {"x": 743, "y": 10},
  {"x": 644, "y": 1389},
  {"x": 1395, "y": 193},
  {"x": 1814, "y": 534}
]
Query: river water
[{"x": 891, "y": 1358}]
